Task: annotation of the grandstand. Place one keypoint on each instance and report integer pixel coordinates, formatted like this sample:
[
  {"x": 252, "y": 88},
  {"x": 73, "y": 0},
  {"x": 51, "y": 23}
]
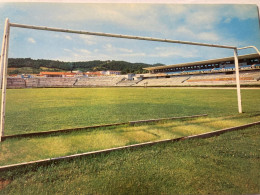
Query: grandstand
[
  {"x": 63, "y": 82},
  {"x": 210, "y": 72},
  {"x": 226, "y": 65},
  {"x": 98, "y": 81},
  {"x": 249, "y": 77}
]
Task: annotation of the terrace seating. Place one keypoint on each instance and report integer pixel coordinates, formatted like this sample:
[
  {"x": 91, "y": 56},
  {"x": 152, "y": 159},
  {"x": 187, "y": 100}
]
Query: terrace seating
[
  {"x": 98, "y": 81},
  {"x": 218, "y": 78},
  {"x": 49, "y": 82},
  {"x": 15, "y": 83},
  {"x": 176, "y": 80},
  {"x": 126, "y": 83}
]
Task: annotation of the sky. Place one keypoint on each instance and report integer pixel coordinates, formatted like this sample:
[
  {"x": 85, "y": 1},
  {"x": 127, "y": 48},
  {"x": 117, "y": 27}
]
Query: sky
[{"x": 234, "y": 25}]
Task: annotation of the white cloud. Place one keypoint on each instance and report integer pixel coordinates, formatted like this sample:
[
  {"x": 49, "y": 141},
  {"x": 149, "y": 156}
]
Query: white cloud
[
  {"x": 209, "y": 36},
  {"x": 110, "y": 48},
  {"x": 137, "y": 54},
  {"x": 106, "y": 52},
  {"x": 242, "y": 12},
  {"x": 83, "y": 51},
  {"x": 31, "y": 40},
  {"x": 125, "y": 50},
  {"x": 176, "y": 51},
  {"x": 89, "y": 40}
]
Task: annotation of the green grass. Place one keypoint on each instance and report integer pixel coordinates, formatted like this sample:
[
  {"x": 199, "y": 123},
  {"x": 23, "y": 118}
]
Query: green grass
[
  {"x": 32, "y": 110},
  {"x": 47, "y": 109},
  {"x": 35, "y": 148},
  {"x": 227, "y": 164}
]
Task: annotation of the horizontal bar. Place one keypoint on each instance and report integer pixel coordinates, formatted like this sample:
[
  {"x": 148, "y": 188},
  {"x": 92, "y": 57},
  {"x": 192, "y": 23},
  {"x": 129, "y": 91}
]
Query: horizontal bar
[
  {"x": 117, "y": 35},
  {"x": 249, "y": 47},
  {"x": 134, "y": 146}
]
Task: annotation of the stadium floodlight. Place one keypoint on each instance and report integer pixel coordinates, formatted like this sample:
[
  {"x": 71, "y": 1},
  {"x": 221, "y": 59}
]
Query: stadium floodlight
[{"x": 5, "y": 45}]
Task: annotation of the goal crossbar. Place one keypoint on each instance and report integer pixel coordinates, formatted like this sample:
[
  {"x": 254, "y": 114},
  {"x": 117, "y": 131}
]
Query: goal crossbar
[
  {"x": 117, "y": 35},
  {"x": 5, "y": 45}
]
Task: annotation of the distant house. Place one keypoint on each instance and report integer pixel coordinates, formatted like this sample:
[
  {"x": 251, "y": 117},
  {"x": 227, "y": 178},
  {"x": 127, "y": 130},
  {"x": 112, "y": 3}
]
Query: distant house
[
  {"x": 113, "y": 72},
  {"x": 78, "y": 73},
  {"x": 58, "y": 74},
  {"x": 103, "y": 73}
]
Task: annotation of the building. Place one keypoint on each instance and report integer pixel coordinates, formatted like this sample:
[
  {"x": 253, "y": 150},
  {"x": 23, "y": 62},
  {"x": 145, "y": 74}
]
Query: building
[
  {"x": 93, "y": 74},
  {"x": 103, "y": 73},
  {"x": 246, "y": 62},
  {"x": 112, "y": 72}
]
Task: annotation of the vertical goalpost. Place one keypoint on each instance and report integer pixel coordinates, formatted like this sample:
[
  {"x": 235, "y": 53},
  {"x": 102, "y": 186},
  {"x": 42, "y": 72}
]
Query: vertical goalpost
[
  {"x": 3, "y": 74},
  {"x": 5, "y": 45}
]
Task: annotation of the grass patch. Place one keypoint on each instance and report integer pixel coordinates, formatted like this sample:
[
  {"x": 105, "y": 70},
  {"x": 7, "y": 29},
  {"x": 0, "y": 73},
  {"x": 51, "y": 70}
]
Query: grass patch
[{"x": 227, "y": 164}]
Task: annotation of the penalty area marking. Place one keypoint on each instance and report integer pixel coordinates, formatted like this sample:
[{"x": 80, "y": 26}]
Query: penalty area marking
[{"x": 134, "y": 146}]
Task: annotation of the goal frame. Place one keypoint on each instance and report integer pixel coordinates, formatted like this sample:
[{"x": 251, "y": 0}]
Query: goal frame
[{"x": 5, "y": 47}]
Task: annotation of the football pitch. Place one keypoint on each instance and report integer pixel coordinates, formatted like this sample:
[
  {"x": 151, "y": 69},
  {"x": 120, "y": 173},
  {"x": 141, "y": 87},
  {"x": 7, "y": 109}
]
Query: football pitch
[
  {"x": 216, "y": 165},
  {"x": 33, "y": 110}
]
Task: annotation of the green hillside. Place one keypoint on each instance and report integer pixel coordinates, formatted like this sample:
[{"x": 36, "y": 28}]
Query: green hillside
[{"x": 28, "y": 66}]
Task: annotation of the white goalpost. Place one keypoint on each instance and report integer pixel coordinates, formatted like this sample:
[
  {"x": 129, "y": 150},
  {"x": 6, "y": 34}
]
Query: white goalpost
[{"x": 5, "y": 46}]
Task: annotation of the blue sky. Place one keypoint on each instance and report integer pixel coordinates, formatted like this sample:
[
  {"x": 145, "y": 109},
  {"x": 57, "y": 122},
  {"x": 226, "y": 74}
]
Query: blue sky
[{"x": 235, "y": 25}]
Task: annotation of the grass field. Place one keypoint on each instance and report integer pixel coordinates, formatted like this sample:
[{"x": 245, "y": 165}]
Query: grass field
[
  {"x": 228, "y": 164},
  {"x": 166, "y": 168},
  {"x": 32, "y": 110},
  {"x": 29, "y": 149}
]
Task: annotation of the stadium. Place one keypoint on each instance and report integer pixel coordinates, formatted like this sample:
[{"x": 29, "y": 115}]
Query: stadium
[{"x": 177, "y": 129}]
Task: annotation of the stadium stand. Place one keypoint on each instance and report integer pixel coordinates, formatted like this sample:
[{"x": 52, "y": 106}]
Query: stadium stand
[
  {"x": 98, "y": 81},
  {"x": 246, "y": 62},
  {"x": 249, "y": 77},
  {"x": 209, "y": 72},
  {"x": 246, "y": 77}
]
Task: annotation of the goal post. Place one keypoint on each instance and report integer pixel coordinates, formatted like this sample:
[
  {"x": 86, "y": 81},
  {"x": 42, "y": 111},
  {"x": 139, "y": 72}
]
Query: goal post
[
  {"x": 3, "y": 74},
  {"x": 5, "y": 46}
]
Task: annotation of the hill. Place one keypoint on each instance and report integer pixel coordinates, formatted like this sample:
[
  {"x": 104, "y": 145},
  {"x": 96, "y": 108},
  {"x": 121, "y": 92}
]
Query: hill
[{"x": 28, "y": 65}]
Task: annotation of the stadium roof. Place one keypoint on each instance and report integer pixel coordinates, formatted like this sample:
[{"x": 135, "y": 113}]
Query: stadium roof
[{"x": 253, "y": 55}]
